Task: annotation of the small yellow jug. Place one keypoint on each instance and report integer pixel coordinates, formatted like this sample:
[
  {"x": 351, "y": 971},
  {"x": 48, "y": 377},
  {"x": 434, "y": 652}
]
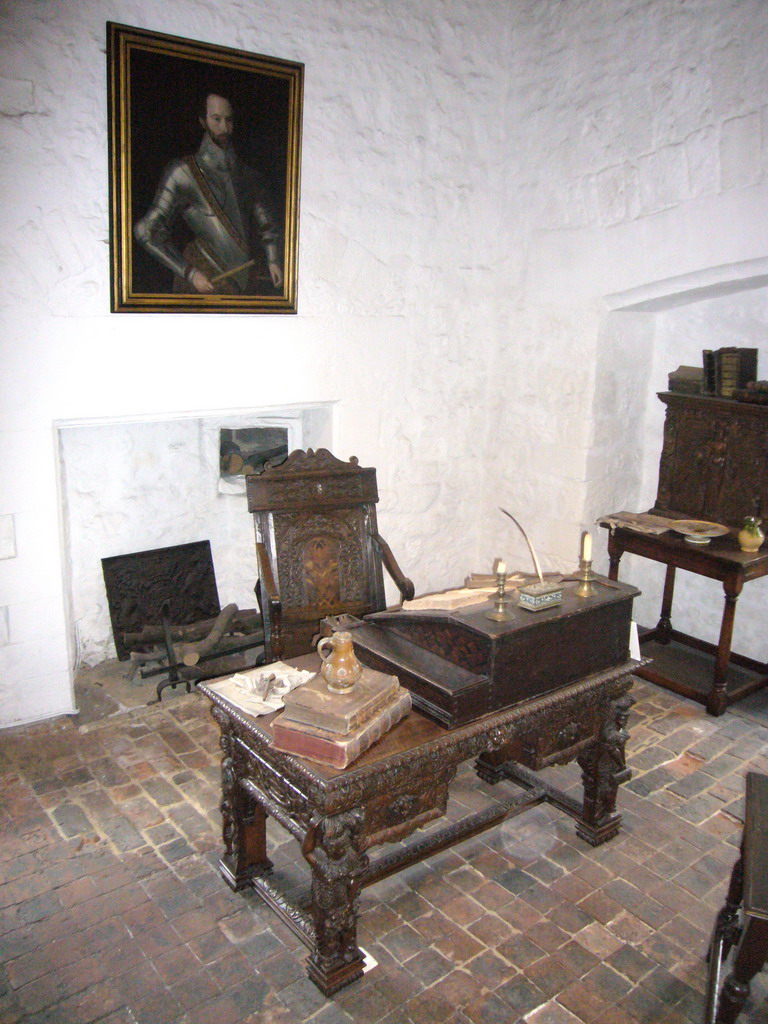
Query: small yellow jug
[
  {"x": 751, "y": 535},
  {"x": 340, "y": 669}
]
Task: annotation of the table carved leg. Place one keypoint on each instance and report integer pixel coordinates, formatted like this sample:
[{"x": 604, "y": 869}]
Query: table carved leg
[
  {"x": 750, "y": 958},
  {"x": 338, "y": 870},
  {"x": 615, "y": 551},
  {"x": 717, "y": 701},
  {"x": 243, "y": 825},
  {"x": 603, "y": 769},
  {"x": 724, "y": 935},
  {"x": 602, "y": 763},
  {"x": 663, "y": 631}
]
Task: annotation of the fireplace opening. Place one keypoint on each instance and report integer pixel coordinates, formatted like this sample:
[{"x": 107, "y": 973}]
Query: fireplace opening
[{"x": 131, "y": 485}]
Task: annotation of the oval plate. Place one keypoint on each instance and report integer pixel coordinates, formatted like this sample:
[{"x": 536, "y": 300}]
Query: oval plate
[{"x": 698, "y": 531}]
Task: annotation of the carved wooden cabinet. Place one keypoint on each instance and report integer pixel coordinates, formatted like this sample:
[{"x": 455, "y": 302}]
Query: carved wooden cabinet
[{"x": 714, "y": 461}]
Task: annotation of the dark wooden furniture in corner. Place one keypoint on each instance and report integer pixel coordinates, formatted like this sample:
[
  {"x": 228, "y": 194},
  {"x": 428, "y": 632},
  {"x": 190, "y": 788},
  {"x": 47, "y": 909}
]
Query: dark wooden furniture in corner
[
  {"x": 318, "y": 547},
  {"x": 714, "y": 461},
  {"x": 747, "y": 899},
  {"x": 714, "y": 466},
  {"x": 399, "y": 785}
]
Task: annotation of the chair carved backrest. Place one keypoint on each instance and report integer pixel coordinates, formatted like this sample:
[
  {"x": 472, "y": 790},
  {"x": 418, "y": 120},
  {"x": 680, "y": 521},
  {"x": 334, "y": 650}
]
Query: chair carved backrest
[{"x": 318, "y": 546}]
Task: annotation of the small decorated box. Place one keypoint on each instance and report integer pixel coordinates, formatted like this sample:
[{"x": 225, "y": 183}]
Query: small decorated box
[{"x": 537, "y": 596}]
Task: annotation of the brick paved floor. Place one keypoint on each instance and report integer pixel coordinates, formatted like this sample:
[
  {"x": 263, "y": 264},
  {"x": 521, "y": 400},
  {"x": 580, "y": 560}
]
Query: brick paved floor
[{"x": 112, "y": 910}]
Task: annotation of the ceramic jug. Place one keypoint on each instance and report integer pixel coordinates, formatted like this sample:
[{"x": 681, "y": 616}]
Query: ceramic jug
[
  {"x": 340, "y": 669},
  {"x": 751, "y": 535}
]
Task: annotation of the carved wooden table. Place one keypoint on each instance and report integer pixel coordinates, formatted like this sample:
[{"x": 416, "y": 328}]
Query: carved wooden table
[
  {"x": 398, "y": 786},
  {"x": 721, "y": 560}
]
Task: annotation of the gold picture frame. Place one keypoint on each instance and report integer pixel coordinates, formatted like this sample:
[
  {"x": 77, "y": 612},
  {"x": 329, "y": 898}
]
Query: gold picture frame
[{"x": 204, "y": 167}]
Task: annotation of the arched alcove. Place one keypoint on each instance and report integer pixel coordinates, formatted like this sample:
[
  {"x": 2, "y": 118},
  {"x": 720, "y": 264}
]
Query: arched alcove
[{"x": 650, "y": 331}]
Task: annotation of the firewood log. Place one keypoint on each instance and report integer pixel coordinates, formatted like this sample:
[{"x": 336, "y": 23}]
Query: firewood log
[
  {"x": 248, "y": 620},
  {"x": 191, "y": 653},
  {"x": 225, "y": 666}
]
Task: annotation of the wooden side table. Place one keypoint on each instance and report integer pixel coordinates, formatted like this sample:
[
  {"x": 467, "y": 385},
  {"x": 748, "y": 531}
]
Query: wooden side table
[
  {"x": 747, "y": 898},
  {"x": 721, "y": 560}
]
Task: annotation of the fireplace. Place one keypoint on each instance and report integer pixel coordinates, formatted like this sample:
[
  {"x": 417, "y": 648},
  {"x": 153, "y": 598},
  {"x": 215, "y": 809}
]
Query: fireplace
[{"x": 134, "y": 485}]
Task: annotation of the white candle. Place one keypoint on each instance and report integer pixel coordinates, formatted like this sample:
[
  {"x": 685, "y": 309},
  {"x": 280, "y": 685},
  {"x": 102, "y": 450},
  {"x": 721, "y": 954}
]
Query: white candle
[
  {"x": 501, "y": 568},
  {"x": 586, "y": 546}
]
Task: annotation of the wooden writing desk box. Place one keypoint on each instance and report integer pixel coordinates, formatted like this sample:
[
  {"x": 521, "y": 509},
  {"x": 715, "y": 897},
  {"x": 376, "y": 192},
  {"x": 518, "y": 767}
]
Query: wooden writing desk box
[{"x": 460, "y": 665}]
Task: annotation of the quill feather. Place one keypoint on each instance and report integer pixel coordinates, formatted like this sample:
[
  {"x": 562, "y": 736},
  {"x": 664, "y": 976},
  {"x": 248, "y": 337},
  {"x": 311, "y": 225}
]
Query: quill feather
[{"x": 527, "y": 541}]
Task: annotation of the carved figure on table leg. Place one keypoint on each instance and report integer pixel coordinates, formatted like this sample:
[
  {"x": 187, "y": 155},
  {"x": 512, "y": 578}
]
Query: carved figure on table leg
[
  {"x": 603, "y": 769},
  {"x": 338, "y": 869},
  {"x": 227, "y": 802},
  {"x": 243, "y": 821}
]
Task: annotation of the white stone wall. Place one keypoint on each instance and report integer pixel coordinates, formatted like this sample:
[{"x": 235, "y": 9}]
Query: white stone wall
[{"x": 478, "y": 179}]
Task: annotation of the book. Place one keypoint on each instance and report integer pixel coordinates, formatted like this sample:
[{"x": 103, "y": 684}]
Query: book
[
  {"x": 734, "y": 369},
  {"x": 710, "y": 382},
  {"x": 641, "y": 522},
  {"x": 687, "y": 380},
  {"x": 314, "y": 704},
  {"x": 448, "y": 600},
  {"x": 490, "y": 581},
  {"x": 755, "y": 391},
  {"x": 330, "y": 748},
  {"x": 727, "y": 370}
]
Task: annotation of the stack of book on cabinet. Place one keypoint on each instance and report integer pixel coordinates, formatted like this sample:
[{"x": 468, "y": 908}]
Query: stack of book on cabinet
[{"x": 336, "y": 728}]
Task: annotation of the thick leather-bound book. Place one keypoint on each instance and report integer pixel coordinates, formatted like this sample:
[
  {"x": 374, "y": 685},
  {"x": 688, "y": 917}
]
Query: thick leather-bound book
[
  {"x": 734, "y": 368},
  {"x": 314, "y": 704},
  {"x": 710, "y": 373},
  {"x": 688, "y": 380},
  {"x": 332, "y": 749}
]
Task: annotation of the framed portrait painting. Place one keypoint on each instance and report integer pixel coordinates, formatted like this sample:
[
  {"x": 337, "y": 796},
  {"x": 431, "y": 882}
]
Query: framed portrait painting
[{"x": 204, "y": 165}]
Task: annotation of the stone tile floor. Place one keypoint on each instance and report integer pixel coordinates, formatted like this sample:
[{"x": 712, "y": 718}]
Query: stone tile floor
[{"x": 112, "y": 909}]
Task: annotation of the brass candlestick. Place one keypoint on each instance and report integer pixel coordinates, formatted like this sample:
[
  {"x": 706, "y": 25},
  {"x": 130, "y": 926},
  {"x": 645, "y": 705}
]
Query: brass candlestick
[
  {"x": 500, "y": 611},
  {"x": 586, "y": 577}
]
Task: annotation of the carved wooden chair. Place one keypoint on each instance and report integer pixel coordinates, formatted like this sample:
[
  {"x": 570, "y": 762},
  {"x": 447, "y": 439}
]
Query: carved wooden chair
[{"x": 318, "y": 547}]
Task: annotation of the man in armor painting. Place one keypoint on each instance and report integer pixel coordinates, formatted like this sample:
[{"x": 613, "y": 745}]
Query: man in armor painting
[{"x": 222, "y": 204}]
